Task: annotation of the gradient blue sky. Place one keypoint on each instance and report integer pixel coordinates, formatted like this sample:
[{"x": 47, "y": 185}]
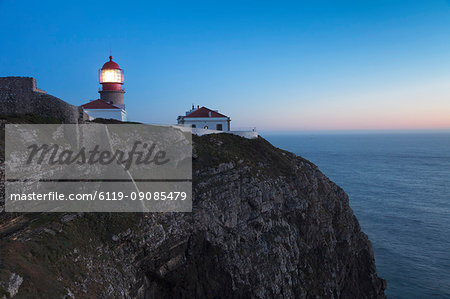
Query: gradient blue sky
[{"x": 276, "y": 65}]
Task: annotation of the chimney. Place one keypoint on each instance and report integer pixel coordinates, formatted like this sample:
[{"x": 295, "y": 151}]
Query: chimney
[
  {"x": 198, "y": 106},
  {"x": 192, "y": 106}
]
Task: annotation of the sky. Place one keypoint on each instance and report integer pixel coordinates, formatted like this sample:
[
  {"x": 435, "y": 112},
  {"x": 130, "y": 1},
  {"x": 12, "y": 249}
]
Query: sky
[{"x": 273, "y": 65}]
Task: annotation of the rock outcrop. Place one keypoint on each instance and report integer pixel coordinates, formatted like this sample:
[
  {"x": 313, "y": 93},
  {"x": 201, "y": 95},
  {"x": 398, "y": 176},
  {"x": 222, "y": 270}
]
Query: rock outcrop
[
  {"x": 20, "y": 95},
  {"x": 265, "y": 224}
]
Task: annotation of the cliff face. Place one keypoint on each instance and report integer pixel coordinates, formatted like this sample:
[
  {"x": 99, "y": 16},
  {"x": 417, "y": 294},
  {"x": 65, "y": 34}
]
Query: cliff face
[{"x": 265, "y": 224}]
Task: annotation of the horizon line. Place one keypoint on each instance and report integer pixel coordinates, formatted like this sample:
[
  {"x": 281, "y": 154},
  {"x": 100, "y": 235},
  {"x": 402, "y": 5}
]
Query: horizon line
[{"x": 358, "y": 131}]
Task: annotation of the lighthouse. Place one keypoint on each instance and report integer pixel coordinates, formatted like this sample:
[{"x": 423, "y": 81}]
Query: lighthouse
[
  {"x": 111, "y": 79},
  {"x": 111, "y": 104}
]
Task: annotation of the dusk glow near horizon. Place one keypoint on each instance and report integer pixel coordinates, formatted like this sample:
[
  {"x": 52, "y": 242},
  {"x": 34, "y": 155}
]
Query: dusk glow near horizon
[{"x": 277, "y": 66}]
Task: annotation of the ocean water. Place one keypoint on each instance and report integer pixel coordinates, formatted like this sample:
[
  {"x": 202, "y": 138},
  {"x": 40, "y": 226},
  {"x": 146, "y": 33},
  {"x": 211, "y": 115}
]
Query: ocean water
[{"x": 399, "y": 189}]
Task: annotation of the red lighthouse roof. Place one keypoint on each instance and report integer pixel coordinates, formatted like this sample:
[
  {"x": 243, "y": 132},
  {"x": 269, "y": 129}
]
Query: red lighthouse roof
[
  {"x": 111, "y": 65},
  {"x": 99, "y": 104},
  {"x": 204, "y": 112}
]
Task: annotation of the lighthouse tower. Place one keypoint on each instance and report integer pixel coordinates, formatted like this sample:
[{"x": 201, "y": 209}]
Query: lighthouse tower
[
  {"x": 111, "y": 79},
  {"x": 110, "y": 105}
]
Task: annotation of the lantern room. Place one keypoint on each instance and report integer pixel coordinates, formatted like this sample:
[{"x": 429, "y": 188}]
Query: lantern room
[{"x": 111, "y": 76}]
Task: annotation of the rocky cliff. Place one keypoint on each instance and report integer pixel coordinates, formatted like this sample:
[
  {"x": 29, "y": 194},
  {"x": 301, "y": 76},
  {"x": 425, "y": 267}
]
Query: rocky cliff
[{"x": 265, "y": 224}]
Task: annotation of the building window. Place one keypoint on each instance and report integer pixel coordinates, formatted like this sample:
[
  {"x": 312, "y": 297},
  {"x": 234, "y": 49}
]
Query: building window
[
  {"x": 219, "y": 127},
  {"x": 205, "y": 127},
  {"x": 194, "y": 126}
]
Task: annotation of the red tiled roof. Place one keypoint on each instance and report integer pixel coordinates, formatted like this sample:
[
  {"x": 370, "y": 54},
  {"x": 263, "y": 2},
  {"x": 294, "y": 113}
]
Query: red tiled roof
[
  {"x": 204, "y": 112},
  {"x": 99, "y": 104}
]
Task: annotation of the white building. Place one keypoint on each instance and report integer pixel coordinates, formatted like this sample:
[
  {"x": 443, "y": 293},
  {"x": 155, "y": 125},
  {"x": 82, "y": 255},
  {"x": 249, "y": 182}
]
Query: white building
[
  {"x": 204, "y": 118},
  {"x": 101, "y": 109}
]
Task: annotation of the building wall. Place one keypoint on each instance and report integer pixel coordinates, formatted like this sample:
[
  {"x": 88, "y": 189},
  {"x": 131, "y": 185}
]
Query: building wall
[
  {"x": 200, "y": 132},
  {"x": 246, "y": 134},
  {"x": 112, "y": 96},
  {"x": 117, "y": 114},
  {"x": 210, "y": 122},
  {"x": 19, "y": 95}
]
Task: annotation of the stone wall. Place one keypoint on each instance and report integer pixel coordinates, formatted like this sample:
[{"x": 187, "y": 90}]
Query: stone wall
[
  {"x": 112, "y": 96},
  {"x": 20, "y": 95}
]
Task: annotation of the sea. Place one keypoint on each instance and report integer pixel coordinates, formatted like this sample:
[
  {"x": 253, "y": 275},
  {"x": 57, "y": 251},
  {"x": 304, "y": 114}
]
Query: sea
[{"x": 399, "y": 189}]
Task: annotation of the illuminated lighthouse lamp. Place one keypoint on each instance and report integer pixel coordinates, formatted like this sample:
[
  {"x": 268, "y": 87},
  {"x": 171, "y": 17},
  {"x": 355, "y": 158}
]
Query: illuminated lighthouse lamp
[{"x": 111, "y": 73}]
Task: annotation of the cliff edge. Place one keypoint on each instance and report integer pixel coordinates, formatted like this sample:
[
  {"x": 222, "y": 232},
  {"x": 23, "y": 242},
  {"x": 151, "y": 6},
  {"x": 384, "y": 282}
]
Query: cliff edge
[{"x": 265, "y": 224}]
